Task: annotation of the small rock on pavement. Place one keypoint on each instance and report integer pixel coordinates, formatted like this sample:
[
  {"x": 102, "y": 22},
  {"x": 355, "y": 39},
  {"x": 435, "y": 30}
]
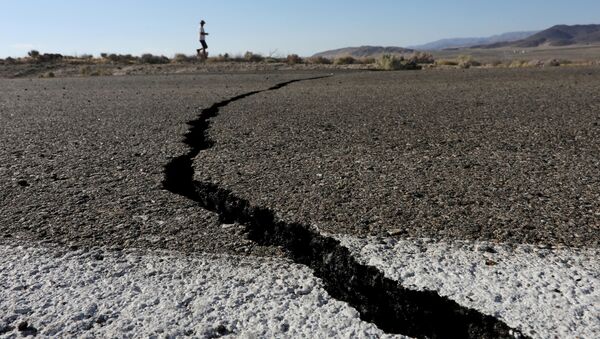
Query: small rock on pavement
[{"x": 395, "y": 232}]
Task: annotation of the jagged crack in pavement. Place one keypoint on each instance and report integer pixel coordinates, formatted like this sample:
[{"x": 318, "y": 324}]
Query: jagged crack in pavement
[{"x": 379, "y": 300}]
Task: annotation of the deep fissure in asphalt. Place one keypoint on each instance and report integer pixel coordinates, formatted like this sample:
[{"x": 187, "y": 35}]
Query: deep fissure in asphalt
[{"x": 379, "y": 300}]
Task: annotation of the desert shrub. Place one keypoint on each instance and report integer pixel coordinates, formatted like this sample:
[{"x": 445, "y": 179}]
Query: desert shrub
[
  {"x": 50, "y": 57},
  {"x": 104, "y": 55},
  {"x": 47, "y": 75},
  {"x": 366, "y": 61},
  {"x": 87, "y": 70},
  {"x": 153, "y": 59},
  {"x": 552, "y": 63},
  {"x": 535, "y": 63},
  {"x": 34, "y": 54},
  {"x": 421, "y": 58},
  {"x": 253, "y": 57},
  {"x": 495, "y": 63},
  {"x": 345, "y": 60},
  {"x": 389, "y": 63},
  {"x": 86, "y": 56},
  {"x": 220, "y": 58},
  {"x": 293, "y": 59},
  {"x": 180, "y": 58},
  {"x": 272, "y": 60},
  {"x": 518, "y": 63},
  {"x": 121, "y": 58},
  {"x": 467, "y": 61},
  {"x": 94, "y": 72},
  {"x": 565, "y": 62},
  {"x": 319, "y": 60},
  {"x": 392, "y": 63},
  {"x": 446, "y": 63}
]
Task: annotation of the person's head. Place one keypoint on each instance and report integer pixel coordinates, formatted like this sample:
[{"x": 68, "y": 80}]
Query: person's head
[{"x": 202, "y": 22}]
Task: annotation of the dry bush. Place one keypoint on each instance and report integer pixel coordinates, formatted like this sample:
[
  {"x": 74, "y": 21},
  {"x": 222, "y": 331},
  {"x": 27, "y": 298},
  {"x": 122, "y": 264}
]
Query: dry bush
[
  {"x": 552, "y": 63},
  {"x": 47, "y": 75},
  {"x": 180, "y": 58},
  {"x": 392, "y": 63},
  {"x": 518, "y": 64},
  {"x": 154, "y": 59},
  {"x": 253, "y": 57},
  {"x": 293, "y": 59},
  {"x": 34, "y": 54},
  {"x": 366, "y": 61},
  {"x": 421, "y": 58},
  {"x": 220, "y": 58},
  {"x": 445, "y": 62},
  {"x": 94, "y": 72},
  {"x": 319, "y": 60},
  {"x": 273, "y": 60},
  {"x": 345, "y": 60},
  {"x": 467, "y": 61},
  {"x": 495, "y": 63},
  {"x": 121, "y": 58}
]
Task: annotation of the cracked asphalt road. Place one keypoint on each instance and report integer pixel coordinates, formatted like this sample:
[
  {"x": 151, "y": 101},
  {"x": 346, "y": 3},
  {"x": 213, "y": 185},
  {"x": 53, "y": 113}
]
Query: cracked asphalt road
[
  {"x": 82, "y": 160},
  {"x": 499, "y": 155}
]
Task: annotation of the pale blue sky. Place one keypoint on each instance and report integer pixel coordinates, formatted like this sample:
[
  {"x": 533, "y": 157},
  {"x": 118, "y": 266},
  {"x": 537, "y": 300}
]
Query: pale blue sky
[{"x": 235, "y": 26}]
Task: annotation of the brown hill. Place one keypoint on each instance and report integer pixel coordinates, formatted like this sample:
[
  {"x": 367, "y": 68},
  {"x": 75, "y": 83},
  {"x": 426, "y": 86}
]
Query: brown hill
[
  {"x": 559, "y": 35},
  {"x": 363, "y": 52}
]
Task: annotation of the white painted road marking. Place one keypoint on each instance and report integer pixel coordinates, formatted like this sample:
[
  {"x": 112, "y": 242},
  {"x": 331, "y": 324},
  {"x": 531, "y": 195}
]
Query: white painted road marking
[
  {"x": 67, "y": 294},
  {"x": 544, "y": 292}
]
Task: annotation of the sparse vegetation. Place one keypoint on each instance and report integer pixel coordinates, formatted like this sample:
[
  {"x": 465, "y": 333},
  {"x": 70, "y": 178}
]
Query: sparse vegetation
[
  {"x": 182, "y": 59},
  {"x": 34, "y": 54},
  {"x": 319, "y": 60},
  {"x": 345, "y": 60},
  {"x": 518, "y": 63},
  {"x": 154, "y": 59},
  {"x": 389, "y": 62},
  {"x": 253, "y": 57},
  {"x": 444, "y": 62},
  {"x": 294, "y": 59},
  {"x": 467, "y": 61},
  {"x": 421, "y": 58},
  {"x": 94, "y": 72},
  {"x": 366, "y": 61}
]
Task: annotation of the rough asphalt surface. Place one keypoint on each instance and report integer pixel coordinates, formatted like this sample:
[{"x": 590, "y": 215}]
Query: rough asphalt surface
[
  {"x": 81, "y": 161},
  {"x": 501, "y": 155}
]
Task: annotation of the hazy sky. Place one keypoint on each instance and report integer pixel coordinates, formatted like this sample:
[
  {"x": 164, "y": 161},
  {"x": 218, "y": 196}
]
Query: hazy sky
[{"x": 235, "y": 26}]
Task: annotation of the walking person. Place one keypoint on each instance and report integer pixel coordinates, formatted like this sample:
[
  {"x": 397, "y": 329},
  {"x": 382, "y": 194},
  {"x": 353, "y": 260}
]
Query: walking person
[{"x": 203, "y": 35}]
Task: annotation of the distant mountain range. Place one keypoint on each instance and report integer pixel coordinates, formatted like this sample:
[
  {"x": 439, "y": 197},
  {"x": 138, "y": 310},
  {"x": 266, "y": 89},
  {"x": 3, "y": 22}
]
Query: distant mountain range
[
  {"x": 560, "y": 35},
  {"x": 470, "y": 42},
  {"x": 363, "y": 51}
]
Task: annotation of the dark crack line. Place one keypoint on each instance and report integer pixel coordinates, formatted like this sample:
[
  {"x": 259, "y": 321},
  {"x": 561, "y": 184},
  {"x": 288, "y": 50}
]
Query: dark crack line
[{"x": 379, "y": 300}]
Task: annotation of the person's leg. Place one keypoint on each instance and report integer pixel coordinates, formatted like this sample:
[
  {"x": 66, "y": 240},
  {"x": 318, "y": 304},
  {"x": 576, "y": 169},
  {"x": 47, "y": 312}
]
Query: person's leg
[{"x": 204, "y": 48}]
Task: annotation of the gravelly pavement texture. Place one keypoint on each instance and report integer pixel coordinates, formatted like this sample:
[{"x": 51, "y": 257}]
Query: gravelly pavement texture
[
  {"x": 81, "y": 161},
  {"x": 501, "y": 155}
]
